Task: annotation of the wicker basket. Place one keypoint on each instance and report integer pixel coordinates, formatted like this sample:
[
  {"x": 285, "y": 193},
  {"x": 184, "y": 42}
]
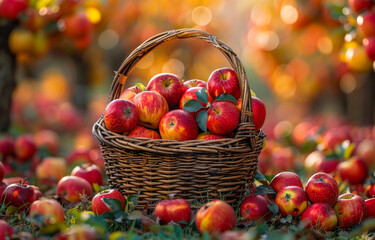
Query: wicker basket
[{"x": 195, "y": 170}]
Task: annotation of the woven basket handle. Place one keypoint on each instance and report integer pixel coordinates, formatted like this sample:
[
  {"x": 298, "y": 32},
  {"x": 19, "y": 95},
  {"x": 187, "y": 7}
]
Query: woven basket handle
[{"x": 147, "y": 46}]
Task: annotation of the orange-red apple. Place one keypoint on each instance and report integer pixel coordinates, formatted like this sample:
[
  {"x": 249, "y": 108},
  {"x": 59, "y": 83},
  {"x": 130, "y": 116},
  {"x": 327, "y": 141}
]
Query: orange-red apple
[
  {"x": 209, "y": 136},
  {"x": 79, "y": 156},
  {"x": 223, "y": 80},
  {"x": 74, "y": 189},
  {"x": 351, "y": 210},
  {"x": 327, "y": 165},
  {"x": 48, "y": 141},
  {"x": 354, "y": 170},
  {"x": 322, "y": 187},
  {"x": 75, "y": 26},
  {"x": 176, "y": 210},
  {"x": 99, "y": 207},
  {"x": 254, "y": 207},
  {"x": 194, "y": 83},
  {"x": 51, "y": 170},
  {"x": 223, "y": 117},
  {"x": 89, "y": 172},
  {"x": 142, "y": 132},
  {"x": 169, "y": 86},
  {"x": 360, "y": 5},
  {"x": 130, "y": 93},
  {"x": 366, "y": 151},
  {"x": 25, "y": 147},
  {"x": 120, "y": 116},
  {"x": 291, "y": 201},
  {"x": 52, "y": 212},
  {"x": 285, "y": 179},
  {"x": 319, "y": 216},
  {"x": 79, "y": 232},
  {"x": 178, "y": 125},
  {"x": 190, "y": 94},
  {"x": 151, "y": 107}
]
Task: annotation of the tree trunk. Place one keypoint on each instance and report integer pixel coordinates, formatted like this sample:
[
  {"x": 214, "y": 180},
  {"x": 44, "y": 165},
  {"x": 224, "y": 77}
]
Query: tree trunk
[{"x": 7, "y": 75}]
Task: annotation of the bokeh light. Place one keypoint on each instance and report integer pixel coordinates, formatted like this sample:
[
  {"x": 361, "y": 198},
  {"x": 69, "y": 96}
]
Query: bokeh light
[{"x": 201, "y": 15}]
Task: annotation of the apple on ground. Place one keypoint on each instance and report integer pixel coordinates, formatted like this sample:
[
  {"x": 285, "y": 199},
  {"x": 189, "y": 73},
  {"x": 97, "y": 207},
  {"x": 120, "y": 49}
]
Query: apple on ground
[
  {"x": 327, "y": 165},
  {"x": 19, "y": 196},
  {"x": 120, "y": 116},
  {"x": 322, "y": 187},
  {"x": 151, "y": 107},
  {"x": 24, "y": 147},
  {"x": 6, "y": 147},
  {"x": 130, "y": 93},
  {"x": 142, "y": 132},
  {"x": 333, "y": 137},
  {"x": 370, "y": 190},
  {"x": 3, "y": 186},
  {"x": 79, "y": 156},
  {"x": 51, "y": 170},
  {"x": 354, "y": 170},
  {"x": 215, "y": 216},
  {"x": 366, "y": 152},
  {"x": 291, "y": 201},
  {"x": 74, "y": 189},
  {"x": 2, "y": 171},
  {"x": 254, "y": 207},
  {"x": 89, "y": 172},
  {"x": 370, "y": 204},
  {"x": 259, "y": 112},
  {"x": 178, "y": 125},
  {"x": 312, "y": 159},
  {"x": 351, "y": 210},
  {"x": 37, "y": 193},
  {"x": 5, "y": 230},
  {"x": 282, "y": 159},
  {"x": 52, "y": 212},
  {"x": 194, "y": 83},
  {"x": 319, "y": 216},
  {"x": 79, "y": 232},
  {"x": 169, "y": 86},
  {"x": 223, "y": 80},
  {"x": 209, "y": 136},
  {"x": 223, "y": 117},
  {"x": 176, "y": 210},
  {"x": 285, "y": 179},
  {"x": 48, "y": 141},
  {"x": 99, "y": 207}
]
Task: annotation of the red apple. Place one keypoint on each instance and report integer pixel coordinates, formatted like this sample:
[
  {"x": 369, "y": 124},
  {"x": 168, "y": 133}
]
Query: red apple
[
  {"x": 18, "y": 195},
  {"x": 3, "y": 186},
  {"x": 140, "y": 132},
  {"x": 209, "y": 136},
  {"x": 320, "y": 216},
  {"x": 10, "y": 9},
  {"x": 79, "y": 156},
  {"x": 360, "y": 5},
  {"x": 51, "y": 170},
  {"x": 370, "y": 204},
  {"x": 176, "y": 210},
  {"x": 333, "y": 137},
  {"x": 291, "y": 201},
  {"x": 120, "y": 116},
  {"x": 285, "y": 179},
  {"x": 259, "y": 113},
  {"x": 322, "y": 187},
  {"x": 254, "y": 207},
  {"x": 130, "y": 93},
  {"x": 366, "y": 24},
  {"x": 215, "y": 216},
  {"x": 25, "y": 147},
  {"x": 312, "y": 159},
  {"x": 89, "y": 172},
  {"x": 327, "y": 165},
  {"x": 99, "y": 207},
  {"x": 48, "y": 141},
  {"x": 351, "y": 209},
  {"x": 354, "y": 170},
  {"x": 52, "y": 213},
  {"x": 366, "y": 151},
  {"x": 190, "y": 94},
  {"x": 223, "y": 117},
  {"x": 6, "y": 147},
  {"x": 75, "y": 26},
  {"x": 151, "y": 107},
  {"x": 194, "y": 83},
  {"x": 223, "y": 80},
  {"x": 282, "y": 159},
  {"x": 5, "y": 230},
  {"x": 168, "y": 85},
  {"x": 97, "y": 158},
  {"x": 370, "y": 190},
  {"x": 11, "y": 180},
  {"x": 2, "y": 172},
  {"x": 73, "y": 189},
  {"x": 369, "y": 46},
  {"x": 178, "y": 125}
]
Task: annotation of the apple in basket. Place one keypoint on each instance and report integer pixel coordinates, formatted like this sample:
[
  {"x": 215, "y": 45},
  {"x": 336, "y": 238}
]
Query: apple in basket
[
  {"x": 259, "y": 112},
  {"x": 194, "y": 83},
  {"x": 223, "y": 117},
  {"x": 130, "y": 93},
  {"x": 191, "y": 94},
  {"x": 169, "y": 86},
  {"x": 120, "y": 116},
  {"x": 178, "y": 125},
  {"x": 151, "y": 107},
  {"x": 223, "y": 80},
  {"x": 142, "y": 132}
]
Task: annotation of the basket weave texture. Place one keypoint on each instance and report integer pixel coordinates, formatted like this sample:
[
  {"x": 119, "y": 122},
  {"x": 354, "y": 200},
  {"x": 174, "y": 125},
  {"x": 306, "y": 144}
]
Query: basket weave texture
[{"x": 196, "y": 170}]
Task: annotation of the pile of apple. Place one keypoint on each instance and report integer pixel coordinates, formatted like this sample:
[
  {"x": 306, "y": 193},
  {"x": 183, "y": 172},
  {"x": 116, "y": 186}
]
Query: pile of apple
[{"x": 169, "y": 108}]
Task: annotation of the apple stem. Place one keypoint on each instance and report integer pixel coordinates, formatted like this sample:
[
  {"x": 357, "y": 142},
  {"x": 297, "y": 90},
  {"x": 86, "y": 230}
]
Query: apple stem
[{"x": 24, "y": 181}]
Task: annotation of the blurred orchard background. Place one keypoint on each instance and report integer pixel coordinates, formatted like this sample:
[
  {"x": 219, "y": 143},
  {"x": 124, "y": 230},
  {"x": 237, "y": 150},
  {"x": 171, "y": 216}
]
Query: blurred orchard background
[{"x": 304, "y": 59}]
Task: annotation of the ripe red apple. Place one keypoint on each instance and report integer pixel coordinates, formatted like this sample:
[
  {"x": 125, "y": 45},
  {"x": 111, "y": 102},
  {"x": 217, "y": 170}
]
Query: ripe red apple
[
  {"x": 354, "y": 170},
  {"x": 6, "y": 147},
  {"x": 75, "y": 26},
  {"x": 291, "y": 201},
  {"x": 366, "y": 151},
  {"x": 194, "y": 83},
  {"x": 334, "y": 136},
  {"x": 130, "y": 93},
  {"x": 18, "y": 195},
  {"x": 320, "y": 216},
  {"x": 351, "y": 209},
  {"x": 360, "y": 5},
  {"x": 178, "y": 125},
  {"x": 51, "y": 170},
  {"x": 190, "y": 94},
  {"x": 169, "y": 86},
  {"x": 73, "y": 189},
  {"x": 285, "y": 179},
  {"x": 79, "y": 156},
  {"x": 215, "y": 216},
  {"x": 2, "y": 172},
  {"x": 120, "y": 116},
  {"x": 176, "y": 210},
  {"x": 223, "y": 117},
  {"x": 223, "y": 80},
  {"x": 366, "y": 24},
  {"x": 48, "y": 141},
  {"x": 322, "y": 187},
  {"x": 10, "y": 9},
  {"x": 140, "y": 131},
  {"x": 259, "y": 112},
  {"x": 282, "y": 159},
  {"x": 25, "y": 147},
  {"x": 99, "y": 207},
  {"x": 254, "y": 207},
  {"x": 327, "y": 165},
  {"x": 89, "y": 172},
  {"x": 5, "y": 230},
  {"x": 370, "y": 190},
  {"x": 151, "y": 107},
  {"x": 209, "y": 136},
  {"x": 369, "y": 46},
  {"x": 52, "y": 212},
  {"x": 370, "y": 204}
]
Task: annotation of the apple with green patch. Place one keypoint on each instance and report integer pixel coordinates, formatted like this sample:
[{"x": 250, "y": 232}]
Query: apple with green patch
[
  {"x": 291, "y": 201},
  {"x": 178, "y": 125},
  {"x": 351, "y": 210}
]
